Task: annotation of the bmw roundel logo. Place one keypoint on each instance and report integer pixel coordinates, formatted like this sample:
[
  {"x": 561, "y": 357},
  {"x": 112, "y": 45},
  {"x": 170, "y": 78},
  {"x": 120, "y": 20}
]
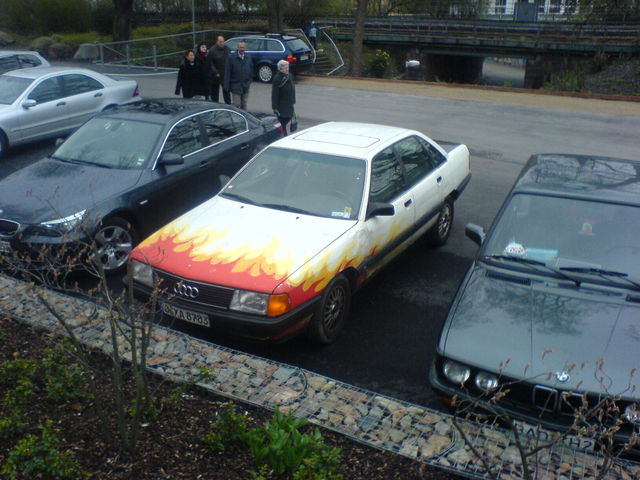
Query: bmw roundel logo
[
  {"x": 562, "y": 376},
  {"x": 185, "y": 290}
]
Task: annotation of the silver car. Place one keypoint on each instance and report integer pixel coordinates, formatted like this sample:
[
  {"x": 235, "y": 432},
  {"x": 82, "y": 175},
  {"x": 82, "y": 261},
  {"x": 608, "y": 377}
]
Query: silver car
[
  {"x": 44, "y": 102},
  {"x": 16, "y": 59}
]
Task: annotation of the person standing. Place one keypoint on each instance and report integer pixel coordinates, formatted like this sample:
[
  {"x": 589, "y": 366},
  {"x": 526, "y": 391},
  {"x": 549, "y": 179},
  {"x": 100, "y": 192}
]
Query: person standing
[
  {"x": 283, "y": 94},
  {"x": 238, "y": 73},
  {"x": 201, "y": 58},
  {"x": 190, "y": 79},
  {"x": 216, "y": 60},
  {"x": 313, "y": 35}
]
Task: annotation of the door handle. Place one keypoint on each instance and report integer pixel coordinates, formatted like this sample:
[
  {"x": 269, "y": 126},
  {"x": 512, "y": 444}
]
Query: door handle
[
  {"x": 439, "y": 179},
  {"x": 245, "y": 146},
  {"x": 60, "y": 104},
  {"x": 204, "y": 163},
  {"x": 99, "y": 94},
  {"x": 408, "y": 202}
]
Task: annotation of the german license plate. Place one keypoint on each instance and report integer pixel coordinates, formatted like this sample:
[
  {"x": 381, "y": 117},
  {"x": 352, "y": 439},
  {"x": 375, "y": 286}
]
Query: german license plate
[
  {"x": 5, "y": 247},
  {"x": 585, "y": 444},
  {"x": 304, "y": 57},
  {"x": 186, "y": 315}
]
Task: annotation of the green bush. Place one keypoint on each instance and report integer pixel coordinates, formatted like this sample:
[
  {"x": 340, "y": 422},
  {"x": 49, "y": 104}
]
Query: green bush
[
  {"x": 63, "y": 15},
  {"x": 38, "y": 456},
  {"x": 103, "y": 16},
  {"x": 60, "y": 51},
  {"x": 229, "y": 427},
  {"x": 74, "y": 40},
  {"x": 379, "y": 63},
  {"x": 17, "y": 15},
  {"x": 41, "y": 45}
]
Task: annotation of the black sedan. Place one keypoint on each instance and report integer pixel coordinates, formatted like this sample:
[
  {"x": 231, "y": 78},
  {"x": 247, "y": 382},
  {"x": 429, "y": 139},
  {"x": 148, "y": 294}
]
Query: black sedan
[
  {"x": 125, "y": 173},
  {"x": 545, "y": 327}
]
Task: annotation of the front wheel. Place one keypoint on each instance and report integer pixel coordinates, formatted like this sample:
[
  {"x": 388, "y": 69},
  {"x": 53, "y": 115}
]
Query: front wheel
[
  {"x": 265, "y": 73},
  {"x": 332, "y": 311},
  {"x": 439, "y": 233},
  {"x": 114, "y": 241}
]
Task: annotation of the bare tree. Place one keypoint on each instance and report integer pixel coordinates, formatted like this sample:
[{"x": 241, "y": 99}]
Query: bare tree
[
  {"x": 358, "y": 37},
  {"x": 122, "y": 20},
  {"x": 275, "y": 15}
]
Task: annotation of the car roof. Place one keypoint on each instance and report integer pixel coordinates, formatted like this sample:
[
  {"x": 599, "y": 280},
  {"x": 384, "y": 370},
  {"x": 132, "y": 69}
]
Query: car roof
[
  {"x": 164, "y": 109},
  {"x": 6, "y": 53},
  {"x": 273, "y": 36},
  {"x": 34, "y": 73},
  {"x": 348, "y": 139},
  {"x": 582, "y": 176}
]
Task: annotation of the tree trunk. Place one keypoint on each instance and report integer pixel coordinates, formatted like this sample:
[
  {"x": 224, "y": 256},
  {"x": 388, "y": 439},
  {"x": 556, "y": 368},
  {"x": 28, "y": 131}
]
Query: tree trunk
[
  {"x": 122, "y": 20},
  {"x": 358, "y": 37},
  {"x": 275, "y": 14}
]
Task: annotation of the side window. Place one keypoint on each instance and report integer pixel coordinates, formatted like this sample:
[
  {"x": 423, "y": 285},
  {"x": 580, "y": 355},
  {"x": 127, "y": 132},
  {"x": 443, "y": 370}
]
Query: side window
[
  {"x": 232, "y": 44},
  {"x": 437, "y": 158},
  {"x": 239, "y": 122},
  {"x": 47, "y": 91},
  {"x": 255, "y": 44},
  {"x": 185, "y": 137},
  {"x": 386, "y": 177},
  {"x": 29, "y": 60},
  {"x": 218, "y": 125},
  {"x": 76, "y": 84},
  {"x": 416, "y": 161},
  {"x": 8, "y": 63},
  {"x": 274, "y": 46}
]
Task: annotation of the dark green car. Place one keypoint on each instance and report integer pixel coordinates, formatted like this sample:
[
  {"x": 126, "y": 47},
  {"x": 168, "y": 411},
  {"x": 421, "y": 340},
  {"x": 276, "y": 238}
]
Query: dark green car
[{"x": 545, "y": 327}]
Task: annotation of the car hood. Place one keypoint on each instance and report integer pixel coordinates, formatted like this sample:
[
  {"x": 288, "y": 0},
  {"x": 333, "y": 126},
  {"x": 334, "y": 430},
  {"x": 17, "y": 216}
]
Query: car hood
[
  {"x": 50, "y": 189},
  {"x": 225, "y": 242},
  {"x": 533, "y": 331}
]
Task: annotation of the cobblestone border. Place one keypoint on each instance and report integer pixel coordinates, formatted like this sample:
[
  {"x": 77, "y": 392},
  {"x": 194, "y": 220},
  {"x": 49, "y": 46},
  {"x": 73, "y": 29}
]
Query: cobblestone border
[{"x": 377, "y": 420}]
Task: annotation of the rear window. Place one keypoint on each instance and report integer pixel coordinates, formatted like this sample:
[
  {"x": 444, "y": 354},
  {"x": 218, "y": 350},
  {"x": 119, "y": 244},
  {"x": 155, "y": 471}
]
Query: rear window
[
  {"x": 8, "y": 63},
  {"x": 297, "y": 45}
]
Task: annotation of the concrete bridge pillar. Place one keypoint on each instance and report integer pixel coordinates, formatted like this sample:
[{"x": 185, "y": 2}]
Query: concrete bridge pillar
[{"x": 452, "y": 68}]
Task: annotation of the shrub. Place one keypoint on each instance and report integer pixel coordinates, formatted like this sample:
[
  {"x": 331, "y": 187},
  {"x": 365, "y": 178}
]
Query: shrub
[
  {"x": 229, "y": 427},
  {"x": 63, "y": 15},
  {"x": 74, "y": 40},
  {"x": 379, "y": 63},
  {"x": 59, "y": 51},
  {"x": 41, "y": 45},
  {"x": 103, "y": 16}
]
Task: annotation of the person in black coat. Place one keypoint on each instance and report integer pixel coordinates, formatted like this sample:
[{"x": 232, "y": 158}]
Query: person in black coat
[
  {"x": 201, "y": 58},
  {"x": 238, "y": 74},
  {"x": 216, "y": 60},
  {"x": 190, "y": 77},
  {"x": 283, "y": 94}
]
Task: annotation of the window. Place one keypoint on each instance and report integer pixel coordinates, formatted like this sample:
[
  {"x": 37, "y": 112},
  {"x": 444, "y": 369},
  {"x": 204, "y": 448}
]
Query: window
[
  {"x": 386, "y": 177},
  {"x": 274, "y": 46},
  {"x": 76, "y": 84},
  {"x": 8, "y": 63},
  {"x": 29, "y": 60},
  {"x": 239, "y": 122},
  {"x": 185, "y": 137},
  {"x": 500, "y": 7},
  {"x": 254, "y": 44},
  {"x": 297, "y": 45},
  {"x": 436, "y": 157},
  {"x": 47, "y": 91},
  {"x": 417, "y": 162},
  {"x": 219, "y": 125},
  {"x": 233, "y": 43}
]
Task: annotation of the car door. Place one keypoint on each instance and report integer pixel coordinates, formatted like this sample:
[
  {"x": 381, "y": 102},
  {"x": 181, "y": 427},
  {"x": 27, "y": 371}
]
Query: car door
[
  {"x": 49, "y": 117},
  {"x": 422, "y": 178},
  {"x": 84, "y": 97},
  {"x": 387, "y": 235}
]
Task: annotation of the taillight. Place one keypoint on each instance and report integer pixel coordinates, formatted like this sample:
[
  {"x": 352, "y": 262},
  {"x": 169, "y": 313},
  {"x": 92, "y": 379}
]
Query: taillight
[
  {"x": 291, "y": 59},
  {"x": 280, "y": 127},
  {"x": 136, "y": 92}
]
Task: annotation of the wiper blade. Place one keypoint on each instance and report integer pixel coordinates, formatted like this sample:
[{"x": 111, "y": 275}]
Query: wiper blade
[
  {"x": 288, "y": 208},
  {"x": 601, "y": 272},
  {"x": 80, "y": 162},
  {"x": 535, "y": 264},
  {"x": 241, "y": 198}
]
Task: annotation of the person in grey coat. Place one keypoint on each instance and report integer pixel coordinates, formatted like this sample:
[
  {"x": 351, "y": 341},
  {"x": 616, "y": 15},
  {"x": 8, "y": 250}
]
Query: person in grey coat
[
  {"x": 283, "y": 94},
  {"x": 238, "y": 74}
]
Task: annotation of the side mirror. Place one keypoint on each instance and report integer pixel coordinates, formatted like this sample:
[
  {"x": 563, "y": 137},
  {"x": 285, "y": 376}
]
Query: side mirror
[
  {"x": 475, "y": 233},
  {"x": 59, "y": 141},
  {"x": 28, "y": 103},
  {"x": 378, "y": 209},
  {"x": 169, "y": 158}
]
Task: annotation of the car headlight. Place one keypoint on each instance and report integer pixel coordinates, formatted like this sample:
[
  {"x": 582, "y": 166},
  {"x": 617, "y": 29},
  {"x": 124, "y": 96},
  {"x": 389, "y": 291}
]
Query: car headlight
[
  {"x": 64, "y": 225},
  {"x": 632, "y": 414},
  {"x": 141, "y": 272},
  {"x": 456, "y": 372},
  {"x": 260, "y": 303},
  {"x": 486, "y": 381}
]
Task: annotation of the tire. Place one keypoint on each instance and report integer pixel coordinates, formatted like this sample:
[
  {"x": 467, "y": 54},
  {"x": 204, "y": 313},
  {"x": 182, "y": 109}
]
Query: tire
[
  {"x": 438, "y": 235},
  {"x": 331, "y": 313},
  {"x": 114, "y": 240},
  {"x": 265, "y": 73},
  {"x": 4, "y": 144}
]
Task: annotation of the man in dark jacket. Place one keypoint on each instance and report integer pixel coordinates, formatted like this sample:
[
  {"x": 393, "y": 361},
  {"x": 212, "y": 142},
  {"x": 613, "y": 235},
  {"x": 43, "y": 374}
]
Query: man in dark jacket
[
  {"x": 238, "y": 73},
  {"x": 216, "y": 60}
]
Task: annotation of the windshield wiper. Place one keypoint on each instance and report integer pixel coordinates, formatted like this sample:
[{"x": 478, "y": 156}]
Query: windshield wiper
[
  {"x": 80, "y": 162},
  {"x": 535, "y": 264},
  {"x": 288, "y": 208},
  {"x": 602, "y": 273},
  {"x": 241, "y": 198}
]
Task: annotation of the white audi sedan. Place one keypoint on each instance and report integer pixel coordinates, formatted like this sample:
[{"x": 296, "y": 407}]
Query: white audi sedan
[
  {"x": 304, "y": 224},
  {"x": 45, "y": 102}
]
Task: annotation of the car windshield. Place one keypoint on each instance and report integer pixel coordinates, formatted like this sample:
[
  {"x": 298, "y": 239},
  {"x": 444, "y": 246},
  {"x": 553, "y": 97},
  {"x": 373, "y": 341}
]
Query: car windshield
[
  {"x": 297, "y": 45},
  {"x": 569, "y": 234},
  {"x": 303, "y": 182},
  {"x": 12, "y": 87},
  {"x": 111, "y": 143}
]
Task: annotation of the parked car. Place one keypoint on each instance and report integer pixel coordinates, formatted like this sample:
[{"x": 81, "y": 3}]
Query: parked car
[
  {"x": 44, "y": 102},
  {"x": 266, "y": 51},
  {"x": 305, "y": 223},
  {"x": 125, "y": 173},
  {"x": 16, "y": 59},
  {"x": 548, "y": 314}
]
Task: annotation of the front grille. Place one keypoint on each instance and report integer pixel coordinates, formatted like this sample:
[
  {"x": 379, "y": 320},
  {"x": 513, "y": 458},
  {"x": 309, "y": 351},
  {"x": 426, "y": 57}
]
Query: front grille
[
  {"x": 8, "y": 228},
  {"x": 545, "y": 398},
  {"x": 208, "y": 295}
]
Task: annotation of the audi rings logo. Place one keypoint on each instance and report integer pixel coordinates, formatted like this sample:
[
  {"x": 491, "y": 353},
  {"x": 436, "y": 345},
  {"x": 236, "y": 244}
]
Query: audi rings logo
[{"x": 184, "y": 290}]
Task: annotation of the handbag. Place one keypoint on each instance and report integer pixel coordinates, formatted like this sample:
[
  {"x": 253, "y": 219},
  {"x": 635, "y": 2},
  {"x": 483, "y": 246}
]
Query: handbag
[{"x": 294, "y": 123}]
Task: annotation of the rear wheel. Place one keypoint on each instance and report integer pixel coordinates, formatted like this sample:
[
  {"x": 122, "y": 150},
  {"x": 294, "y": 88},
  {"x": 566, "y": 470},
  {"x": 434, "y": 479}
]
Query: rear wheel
[
  {"x": 265, "y": 73},
  {"x": 332, "y": 311},
  {"x": 439, "y": 233},
  {"x": 114, "y": 241}
]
